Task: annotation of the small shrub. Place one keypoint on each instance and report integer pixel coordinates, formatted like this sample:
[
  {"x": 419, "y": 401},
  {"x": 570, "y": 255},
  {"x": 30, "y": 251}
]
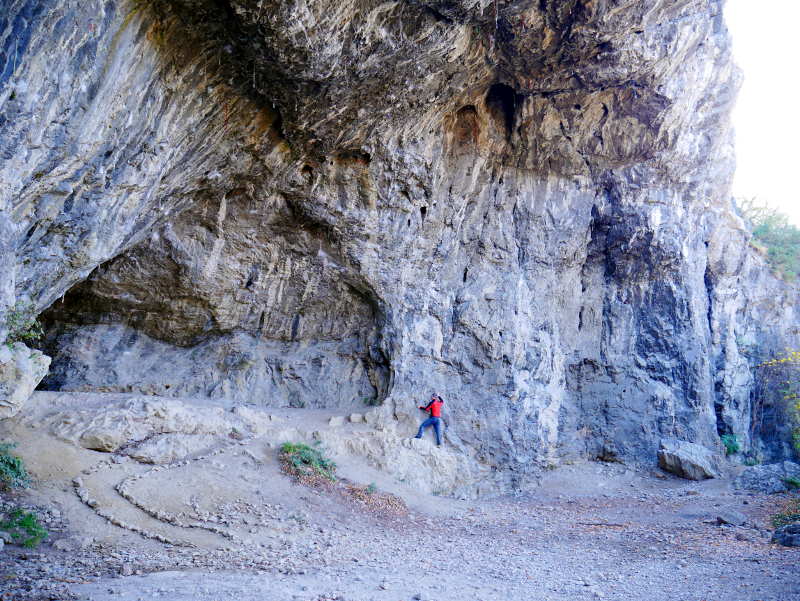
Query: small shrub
[
  {"x": 750, "y": 461},
  {"x": 789, "y": 514},
  {"x": 22, "y": 324},
  {"x": 731, "y": 443},
  {"x": 371, "y": 401},
  {"x": 371, "y": 489},
  {"x": 304, "y": 460},
  {"x": 776, "y": 235},
  {"x": 793, "y": 483},
  {"x": 12, "y": 471},
  {"x": 24, "y": 528}
]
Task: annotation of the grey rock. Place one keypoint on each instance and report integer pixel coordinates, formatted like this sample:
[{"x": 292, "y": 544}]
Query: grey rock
[
  {"x": 769, "y": 478},
  {"x": 528, "y": 214},
  {"x": 687, "y": 459},
  {"x": 21, "y": 370},
  {"x": 788, "y": 536},
  {"x": 732, "y": 517}
]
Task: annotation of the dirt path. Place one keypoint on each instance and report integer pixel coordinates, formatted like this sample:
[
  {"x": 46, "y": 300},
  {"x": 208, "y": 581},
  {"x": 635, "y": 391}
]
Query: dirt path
[{"x": 641, "y": 538}]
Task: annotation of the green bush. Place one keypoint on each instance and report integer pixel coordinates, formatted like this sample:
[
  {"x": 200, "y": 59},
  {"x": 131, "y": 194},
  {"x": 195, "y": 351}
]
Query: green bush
[
  {"x": 778, "y": 238},
  {"x": 731, "y": 443},
  {"x": 792, "y": 482},
  {"x": 24, "y": 528},
  {"x": 305, "y": 460},
  {"x": 12, "y": 471},
  {"x": 22, "y": 324}
]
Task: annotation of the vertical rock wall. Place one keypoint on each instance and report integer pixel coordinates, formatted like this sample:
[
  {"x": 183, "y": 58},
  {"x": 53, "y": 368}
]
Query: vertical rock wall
[{"x": 521, "y": 205}]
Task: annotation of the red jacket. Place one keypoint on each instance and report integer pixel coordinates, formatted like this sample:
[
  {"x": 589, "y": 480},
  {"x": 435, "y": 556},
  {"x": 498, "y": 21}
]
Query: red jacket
[{"x": 434, "y": 408}]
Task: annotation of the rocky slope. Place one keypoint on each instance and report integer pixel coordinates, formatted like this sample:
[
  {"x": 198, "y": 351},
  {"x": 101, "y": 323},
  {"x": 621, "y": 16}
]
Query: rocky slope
[{"x": 521, "y": 205}]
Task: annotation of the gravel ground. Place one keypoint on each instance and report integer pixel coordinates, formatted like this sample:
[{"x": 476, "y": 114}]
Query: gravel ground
[{"x": 640, "y": 538}]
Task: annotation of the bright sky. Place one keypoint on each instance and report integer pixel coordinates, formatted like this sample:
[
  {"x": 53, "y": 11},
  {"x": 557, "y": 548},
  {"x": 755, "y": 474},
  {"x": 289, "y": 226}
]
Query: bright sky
[{"x": 766, "y": 46}]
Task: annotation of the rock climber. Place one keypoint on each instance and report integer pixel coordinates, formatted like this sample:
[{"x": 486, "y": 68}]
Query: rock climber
[{"x": 434, "y": 407}]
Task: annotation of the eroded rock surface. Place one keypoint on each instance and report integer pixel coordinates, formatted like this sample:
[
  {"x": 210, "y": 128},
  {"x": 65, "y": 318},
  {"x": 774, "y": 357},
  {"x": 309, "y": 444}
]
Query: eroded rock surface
[
  {"x": 688, "y": 460},
  {"x": 21, "y": 370},
  {"x": 522, "y": 206},
  {"x": 768, "y": 479}
]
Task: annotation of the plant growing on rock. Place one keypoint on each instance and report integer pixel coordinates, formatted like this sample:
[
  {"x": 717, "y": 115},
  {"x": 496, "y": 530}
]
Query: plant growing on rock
[
  {"x": 12, "y": 471},
  {"x": 778, "y": 239},
  {"x": 731, "y": 443},
  {"x": 24, "y": 528},
  {"x": 22, "y": 324},
  {"x": 792, "y": 483}
]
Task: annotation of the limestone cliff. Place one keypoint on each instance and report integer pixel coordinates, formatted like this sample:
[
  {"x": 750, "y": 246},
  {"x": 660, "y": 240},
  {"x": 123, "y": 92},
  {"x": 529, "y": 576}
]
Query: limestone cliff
[{"x": 521, "y": 205}]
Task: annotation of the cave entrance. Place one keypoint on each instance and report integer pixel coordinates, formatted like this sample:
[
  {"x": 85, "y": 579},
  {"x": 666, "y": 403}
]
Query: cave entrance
[
  {"x": 248, "y": 330},
  {"x": 502, "y": 102}
]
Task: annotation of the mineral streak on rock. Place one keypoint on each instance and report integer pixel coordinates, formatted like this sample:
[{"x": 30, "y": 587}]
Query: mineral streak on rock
[{"x": 520, "y": 205}]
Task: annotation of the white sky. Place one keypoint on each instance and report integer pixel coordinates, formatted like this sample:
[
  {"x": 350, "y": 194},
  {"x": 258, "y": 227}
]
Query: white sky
[{"x": 766, "y": 45}]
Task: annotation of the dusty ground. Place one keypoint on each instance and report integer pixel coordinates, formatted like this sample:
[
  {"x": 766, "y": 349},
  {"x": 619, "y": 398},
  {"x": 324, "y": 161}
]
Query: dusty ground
[{"x": 586, "y": 531}]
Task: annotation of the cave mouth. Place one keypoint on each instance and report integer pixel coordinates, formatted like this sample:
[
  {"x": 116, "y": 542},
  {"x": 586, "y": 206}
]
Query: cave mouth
[
  {"x": 502, "y": 102},
  {"x": 247, "y": 331}
]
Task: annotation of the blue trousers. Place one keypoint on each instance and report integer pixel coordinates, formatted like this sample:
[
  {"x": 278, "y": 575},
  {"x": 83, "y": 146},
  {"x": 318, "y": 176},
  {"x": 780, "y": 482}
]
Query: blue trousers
[{"x": 436, "y": 422}]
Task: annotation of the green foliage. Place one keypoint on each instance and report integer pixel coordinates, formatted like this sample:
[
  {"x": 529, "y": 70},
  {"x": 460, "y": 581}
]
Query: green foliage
[
  {"x": 305, "y": 460},
  {"x": 371, "y": 401},
  {"x": 780, "y": 381},
  {"x": 371, "y": 489},
  {"x": 792, "y": 482},
  {"x": 778, "y": 238},
  {"x": 22, "y": 324},
  {"x": 789, "y": 515},
  {"x": 731, "y": 442},
  {"x": 750, "y": 461},
  {"x": 12, "y": 471},
  {"x": 24, "y": 528}
]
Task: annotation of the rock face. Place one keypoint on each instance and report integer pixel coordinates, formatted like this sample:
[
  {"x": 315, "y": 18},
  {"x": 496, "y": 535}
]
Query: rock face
[
  {"x": 522, "y": 206},
  {"x": 687, "y": 460},
  {"x": 21, "y": 370}
]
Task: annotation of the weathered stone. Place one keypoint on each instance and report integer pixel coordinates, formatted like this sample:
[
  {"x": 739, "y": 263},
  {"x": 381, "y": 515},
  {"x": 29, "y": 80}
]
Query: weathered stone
[
  {"x": 687, "y": 459},
  {"x": 167, "y": 448},
  {"x": 788, "y": 536},
  {"x": 21, "y": 370},
  {"x": 356, "y": 418},
  {"x": 769, "y": 478},
  {"x": 732, "y": 517},
  {"x": 524, "y": 208}
]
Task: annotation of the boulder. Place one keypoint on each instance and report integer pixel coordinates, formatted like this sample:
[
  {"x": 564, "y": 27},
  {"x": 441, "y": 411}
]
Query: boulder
[
  {"x": 167, "y": 448},
  {"x": 768, "y": 479},
  {"x": 356, "y": 418},
  {"x": 732, "y": 517},
  {"x": 21, "y": 370},
  {"x": 687, "y": 459},
  {"x": 788, "y": 536}
]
